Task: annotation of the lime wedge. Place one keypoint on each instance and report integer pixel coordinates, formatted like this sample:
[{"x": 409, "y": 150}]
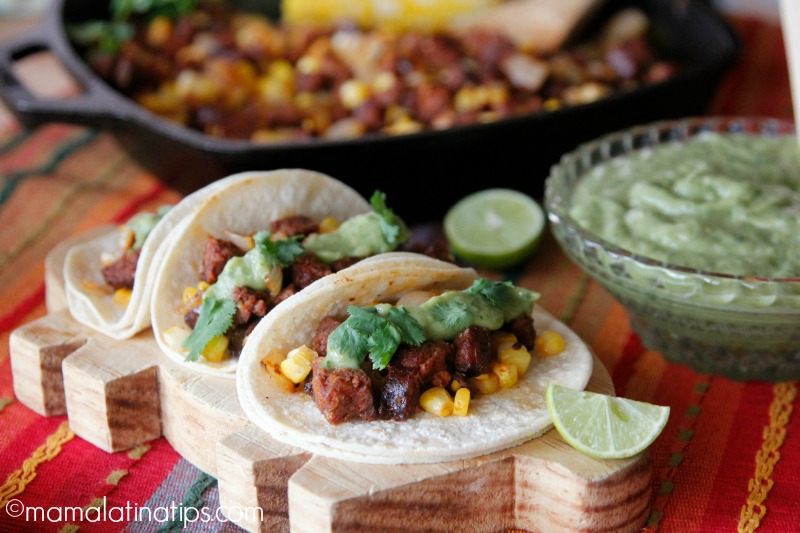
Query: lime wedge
[
  {"x": 604, "y": 426},
  {"x": 495, "y": 228}
]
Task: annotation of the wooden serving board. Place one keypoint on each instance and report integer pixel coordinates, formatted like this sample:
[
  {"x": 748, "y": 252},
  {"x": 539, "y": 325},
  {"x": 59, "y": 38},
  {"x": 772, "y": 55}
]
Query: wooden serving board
[{"x": 118, "y": 394}]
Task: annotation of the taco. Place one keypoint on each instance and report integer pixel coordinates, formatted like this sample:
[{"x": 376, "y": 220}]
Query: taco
[
  {"x": 378, "y": 391},
  {"x": 109, "y": 279},
  {"x": 249, "y": 247}
]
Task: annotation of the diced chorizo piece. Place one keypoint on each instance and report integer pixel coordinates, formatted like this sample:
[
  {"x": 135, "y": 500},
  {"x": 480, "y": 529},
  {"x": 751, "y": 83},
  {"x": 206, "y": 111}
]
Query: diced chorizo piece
[
  {"x": 522, "y": 327},
  {"x": 400, "y": 394},
  {"x": 345, "y": 262},
  {"x": 431, "y": 100},
  {"x": 293, "y": 225},
  {"x": 342, "y": 394},
  {"x": 238, "y": 335},
  {"x": 190, "y": 318},
  {"x": 473, "y": 351},
  {"x": 121, "y": 273},
  {"x": 320, "y": 342},
  {"x": 217, "y": 253},
  {"x": 288, "y": 291},
  {"x": 307, "y": 269},
  {"x": 429, "y": 360},
  {"x": 249, "y": 303}
]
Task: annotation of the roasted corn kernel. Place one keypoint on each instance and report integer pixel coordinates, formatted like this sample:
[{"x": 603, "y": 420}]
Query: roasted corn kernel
[
  {"x": 217, "y": 349},
  {"x": 506, "y": 373},
  {"x": 517, "y": 355},
  {"x": 189, "y": 294},
  {"x": 308, "y": 64},
  {"x": 281, "y": 70},
  {"x": 296, "y": 367},
  {"x": 437, "y": 401},
  {"x": 403, "y": 126},
  {"x": 202, "y": 286},
  {"x": 303, "y": 351},
  {"x": 272, "y": 365},
  {"x": 549, "y": 343},
  {"x": 328, "y": 225},
  {"x": 122, "y": 297},
  {"x": 461, "y": 402},
  {"x": 353, "y": 93},
  {"x": 159, "y": 31},
  {"x": 486, "y": 383}
]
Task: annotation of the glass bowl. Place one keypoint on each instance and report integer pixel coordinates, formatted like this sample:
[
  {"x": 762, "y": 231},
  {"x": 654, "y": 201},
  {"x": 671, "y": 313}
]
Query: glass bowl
[{"x": 745, "y": 328}]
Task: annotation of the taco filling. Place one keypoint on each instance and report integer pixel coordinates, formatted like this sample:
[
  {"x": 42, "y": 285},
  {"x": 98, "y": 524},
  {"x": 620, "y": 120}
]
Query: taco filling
[
  {"x": 119, "y": 270},
  {"x": 244, "y": 277},
  {"x": 429, "y": 351}
]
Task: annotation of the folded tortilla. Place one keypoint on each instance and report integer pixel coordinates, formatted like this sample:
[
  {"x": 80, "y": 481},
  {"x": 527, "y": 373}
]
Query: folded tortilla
[
  {"x": 245, "y": 206},
  {"x": 501, "y": 420},
  {"x": 94, "y": 307}
]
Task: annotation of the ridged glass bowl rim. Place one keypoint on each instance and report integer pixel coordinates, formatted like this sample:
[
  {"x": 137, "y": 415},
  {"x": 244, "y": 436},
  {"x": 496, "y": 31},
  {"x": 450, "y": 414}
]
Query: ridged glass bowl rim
[{"x": 648, "y": 136}]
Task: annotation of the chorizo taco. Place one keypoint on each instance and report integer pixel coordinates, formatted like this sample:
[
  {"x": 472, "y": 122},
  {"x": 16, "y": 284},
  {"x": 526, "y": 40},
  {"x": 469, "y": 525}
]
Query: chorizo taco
[
  {"x": 249, "y": 247},
  {"x": 109, "y": 279},
  {"x": 407, "y": 359}
]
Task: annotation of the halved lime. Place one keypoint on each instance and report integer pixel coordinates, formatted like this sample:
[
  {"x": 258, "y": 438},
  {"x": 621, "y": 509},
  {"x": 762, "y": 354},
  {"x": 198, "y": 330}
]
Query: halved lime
[
  {"x": 603, "y": 426},
  {"x": 495, "y": 228}
]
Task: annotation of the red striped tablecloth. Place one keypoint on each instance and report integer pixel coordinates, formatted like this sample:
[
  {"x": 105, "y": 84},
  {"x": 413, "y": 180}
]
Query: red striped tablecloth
[{"x": 727, "y": 459}]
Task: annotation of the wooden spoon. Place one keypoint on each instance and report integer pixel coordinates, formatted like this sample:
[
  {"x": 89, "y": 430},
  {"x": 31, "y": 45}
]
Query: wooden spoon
[{"x": 539, "y": 26}]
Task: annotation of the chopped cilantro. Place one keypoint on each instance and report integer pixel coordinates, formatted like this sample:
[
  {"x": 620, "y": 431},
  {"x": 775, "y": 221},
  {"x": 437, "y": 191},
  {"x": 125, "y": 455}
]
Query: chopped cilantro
[
  {"x": 216, "y": 316},
  {"x": 454, "y": 315},
  {"x": 107, "y": 36},
  {"x": 410, "y": 330},
  {"x": 497, "y": 292},
  {"x": 393, "y": 229},
  {"x": 369, "y": 331},
  {"x": 278, "y": 253}
]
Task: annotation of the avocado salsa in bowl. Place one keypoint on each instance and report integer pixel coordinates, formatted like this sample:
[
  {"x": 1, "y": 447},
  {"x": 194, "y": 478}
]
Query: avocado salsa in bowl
[{"x": 694, "y": 227}]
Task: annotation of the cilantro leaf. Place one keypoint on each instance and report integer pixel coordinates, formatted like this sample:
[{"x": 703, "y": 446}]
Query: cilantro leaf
[
  {"x": 393, "y": 228},
  {"x": 497, "y": 292},
  {"x": 367, "y": 331},
  {"x": 453, "y": 314},
  {"x": 382, "y": 343},
  {"x": 216, "y": 316},
  {"x": 278, "y": 253},
  {"x": 410, "y": 330}
]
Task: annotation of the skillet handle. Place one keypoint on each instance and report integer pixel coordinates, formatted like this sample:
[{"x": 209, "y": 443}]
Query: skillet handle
[{"x": 96, "y": 105}]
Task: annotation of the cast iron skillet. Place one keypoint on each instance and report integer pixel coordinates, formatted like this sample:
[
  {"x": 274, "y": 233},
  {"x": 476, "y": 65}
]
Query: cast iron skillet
[{"x": 422, "y": 173}]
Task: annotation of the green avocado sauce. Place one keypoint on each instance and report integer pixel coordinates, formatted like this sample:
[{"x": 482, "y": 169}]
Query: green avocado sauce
[
  {"x": 359, "y": 236},
  {"x": 249, "y": 270},
  {"x": 143, "y": 223},
  {"x": 719, "y": 203},
  {"x": 486, "y": 303}
]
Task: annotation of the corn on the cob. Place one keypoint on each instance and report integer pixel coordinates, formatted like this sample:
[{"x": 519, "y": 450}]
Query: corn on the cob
[
  {"x": 392, "y": 14},
  {"x": 437, "y": 401}
]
